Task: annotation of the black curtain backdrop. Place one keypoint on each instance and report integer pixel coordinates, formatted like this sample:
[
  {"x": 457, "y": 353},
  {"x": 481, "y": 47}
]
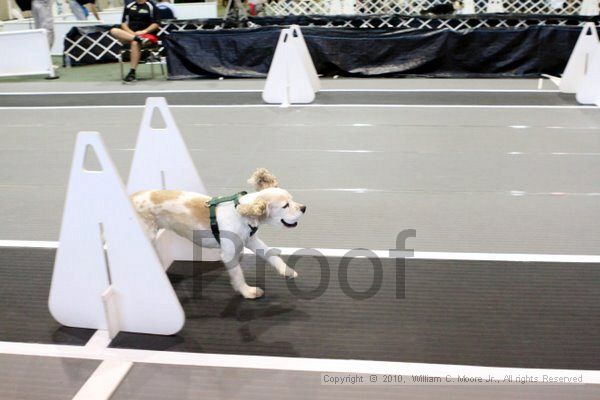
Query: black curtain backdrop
[{"x": 482, "y": 52}]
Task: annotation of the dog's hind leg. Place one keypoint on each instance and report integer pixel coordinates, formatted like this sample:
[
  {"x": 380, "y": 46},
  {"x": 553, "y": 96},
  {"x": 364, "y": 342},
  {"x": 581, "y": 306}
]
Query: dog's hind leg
[
  {"x": 265, "y": 252},
  {"x": 149, "y": 225}
]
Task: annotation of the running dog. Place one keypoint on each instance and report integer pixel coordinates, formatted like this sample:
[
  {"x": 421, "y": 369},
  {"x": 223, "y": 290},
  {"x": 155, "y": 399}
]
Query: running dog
[{"x": 239, "y": 216}]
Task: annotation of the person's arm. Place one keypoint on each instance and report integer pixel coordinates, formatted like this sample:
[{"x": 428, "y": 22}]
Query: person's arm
[
  {"x": 94, "y": 10},
  {"x": 155, "y": 21},
  {"x": 125, "y": 20},
  {"x": 126, "y": 28},
  {"x": 149, "y": 29}
]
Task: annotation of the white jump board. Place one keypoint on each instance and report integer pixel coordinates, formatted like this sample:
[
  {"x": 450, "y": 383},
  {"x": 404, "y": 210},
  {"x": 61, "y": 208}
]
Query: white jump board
[
  {"x": 63, "y": 24},
  {"x": 195, "y": 10},
  {"x": 25, "y": 53}
]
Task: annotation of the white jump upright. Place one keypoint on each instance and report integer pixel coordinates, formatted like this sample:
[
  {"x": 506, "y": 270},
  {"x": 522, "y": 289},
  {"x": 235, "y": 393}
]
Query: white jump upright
[
  {"x": 588, "y": 90},
  {"x": 25, "y": 53},
  {"x": 107, "y": 274},
  {"x": 162, "y": 161},
  {"x": 292, "y": 76},
  {"x": 579, "y": 60}
]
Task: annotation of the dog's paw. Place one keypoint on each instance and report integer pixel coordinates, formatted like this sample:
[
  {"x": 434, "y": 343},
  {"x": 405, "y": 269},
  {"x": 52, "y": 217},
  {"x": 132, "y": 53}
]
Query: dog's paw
[
  {"x": 252, "y": 292},
  {"x": 289, "y": 273}
]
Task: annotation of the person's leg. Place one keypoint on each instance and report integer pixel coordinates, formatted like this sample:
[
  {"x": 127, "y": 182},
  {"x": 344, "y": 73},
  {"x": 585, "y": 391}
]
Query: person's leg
[
  {"x": 41, "y": 10},
  {"x": 134, "y": 50},
  {"x": 94, "y": 10},
  {"x": 122, "y": 35},
  {"x": 135, "y": 54},
  {"x": 35, "y": 14},
  {"x": 77, "y": 10}
]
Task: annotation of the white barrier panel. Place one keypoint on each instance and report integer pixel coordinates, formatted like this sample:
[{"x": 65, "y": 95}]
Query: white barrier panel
[
  {"x": 589, "y": 7},
  {"x": 63, "y": 24},
  {"x": 292, "y": 76},
  {"x": 468, "y": 8},
  {"x": 162, "y": 161},
  {"x": 195, "y": 10},
  {"x": 495, "y": 6},
  {"x": 107, "y": 274},
  {"x": 588, "y": 91},
  {"x": 348, "y": 7},
  {"x": 335, "y": 7},
  {"x": 579, "y": 60},
  {"x": 25, "y": 53}
]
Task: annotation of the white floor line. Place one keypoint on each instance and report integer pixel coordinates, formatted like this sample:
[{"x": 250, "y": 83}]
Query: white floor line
[
  {"x": 418, "y": 255},
  {"x": 94, "y": 92},
  {"x": 104, "y": 380},
  {"x": 282, "y": 363},
  {"x": 40, "y": 244},
  {"x": 99, "y": 340},
  {"x": 574, "y": 107}
]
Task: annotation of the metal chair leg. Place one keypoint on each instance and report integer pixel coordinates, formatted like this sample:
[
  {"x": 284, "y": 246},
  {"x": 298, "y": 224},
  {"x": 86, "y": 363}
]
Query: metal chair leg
[{"x": 121, "y": 64}]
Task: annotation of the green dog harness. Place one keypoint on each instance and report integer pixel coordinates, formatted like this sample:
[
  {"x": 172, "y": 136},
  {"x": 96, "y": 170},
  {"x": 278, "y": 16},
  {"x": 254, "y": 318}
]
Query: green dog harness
[{"x": 212, "y": 209}]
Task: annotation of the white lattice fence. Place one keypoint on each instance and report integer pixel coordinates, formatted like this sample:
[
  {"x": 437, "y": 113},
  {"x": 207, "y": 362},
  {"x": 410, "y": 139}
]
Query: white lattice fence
[
  {"x": 414, "y": 7},
  {"x": 304, "y": 7}
]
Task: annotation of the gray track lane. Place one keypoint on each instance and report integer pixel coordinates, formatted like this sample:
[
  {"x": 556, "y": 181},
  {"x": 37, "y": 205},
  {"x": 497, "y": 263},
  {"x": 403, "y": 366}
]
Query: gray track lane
[
  {"x": 42, "y": 378},
  {"x": 157, "y": 382},
  {"x": 212, "y": 98},
  {"x": 448, "y": 173},
  {"x": 257, "y": 84},
  {"x": 500, "y": 314}
]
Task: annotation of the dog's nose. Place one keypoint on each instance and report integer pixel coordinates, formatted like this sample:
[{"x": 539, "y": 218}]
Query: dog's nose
[{"x": 303, "y": 209}]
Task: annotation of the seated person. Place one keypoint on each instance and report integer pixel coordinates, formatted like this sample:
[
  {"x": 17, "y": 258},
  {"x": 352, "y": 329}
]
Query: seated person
[
  {"x": 166, "y": 9},
  {"x": 140, "y": 20}
]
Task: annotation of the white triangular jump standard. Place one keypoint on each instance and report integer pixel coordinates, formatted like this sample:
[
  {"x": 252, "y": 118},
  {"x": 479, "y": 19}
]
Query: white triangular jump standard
[
  {"x": 162, "y": 161},
  {"x": 292, "y": 76},
  {"x": 579, "y": 61},
  {"x": 588, "y": 90},
  {"x": 107, "y": 274}
]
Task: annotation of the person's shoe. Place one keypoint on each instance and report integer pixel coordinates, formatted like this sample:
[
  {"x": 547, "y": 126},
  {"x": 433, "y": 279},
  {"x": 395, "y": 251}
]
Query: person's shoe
[{"x": 130, "y": 77}]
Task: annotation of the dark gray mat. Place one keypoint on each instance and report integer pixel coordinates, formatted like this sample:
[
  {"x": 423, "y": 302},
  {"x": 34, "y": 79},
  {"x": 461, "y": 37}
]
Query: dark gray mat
[
  {"x": 42, "y": 378},
  {"x": 25, "y": 276},
  {"x": 213, "y": 98},
  {"x": 162, "y": 382},
  {"x": 526, "y": 315}
]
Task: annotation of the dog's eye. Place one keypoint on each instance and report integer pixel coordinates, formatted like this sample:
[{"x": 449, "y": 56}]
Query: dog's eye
[{"x": 286, "y": 205}]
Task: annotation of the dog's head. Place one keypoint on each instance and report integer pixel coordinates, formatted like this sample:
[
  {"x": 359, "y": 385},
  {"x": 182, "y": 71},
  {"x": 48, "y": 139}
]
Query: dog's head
[{"x": 271, "y": 204}]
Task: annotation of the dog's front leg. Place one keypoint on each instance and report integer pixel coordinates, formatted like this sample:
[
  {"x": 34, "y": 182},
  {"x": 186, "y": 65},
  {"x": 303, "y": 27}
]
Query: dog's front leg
[
  {"x": 231, "y": 259},
  {"x": 262, "y": 250}
]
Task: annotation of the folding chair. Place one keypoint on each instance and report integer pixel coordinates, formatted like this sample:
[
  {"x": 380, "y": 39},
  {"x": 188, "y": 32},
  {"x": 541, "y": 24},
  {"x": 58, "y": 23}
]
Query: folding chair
[{"x": 149, "y": 55}]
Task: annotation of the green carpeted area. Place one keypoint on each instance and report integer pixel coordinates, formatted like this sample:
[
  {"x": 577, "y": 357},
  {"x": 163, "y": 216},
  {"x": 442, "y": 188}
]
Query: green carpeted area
[{"x": 87, "y": 73}]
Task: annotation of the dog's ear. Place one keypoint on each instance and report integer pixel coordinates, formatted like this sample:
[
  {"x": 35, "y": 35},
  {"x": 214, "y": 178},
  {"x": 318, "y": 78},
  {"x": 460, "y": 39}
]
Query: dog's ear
[
  {"x": 262, "y": 179},
  {"x": 256, "y": 209}
]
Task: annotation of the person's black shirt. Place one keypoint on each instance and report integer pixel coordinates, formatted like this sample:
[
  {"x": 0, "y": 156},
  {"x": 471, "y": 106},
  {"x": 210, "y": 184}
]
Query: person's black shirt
[
  {"x": 84, "y": 2},
  {"x": 139, "y": 16}
]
